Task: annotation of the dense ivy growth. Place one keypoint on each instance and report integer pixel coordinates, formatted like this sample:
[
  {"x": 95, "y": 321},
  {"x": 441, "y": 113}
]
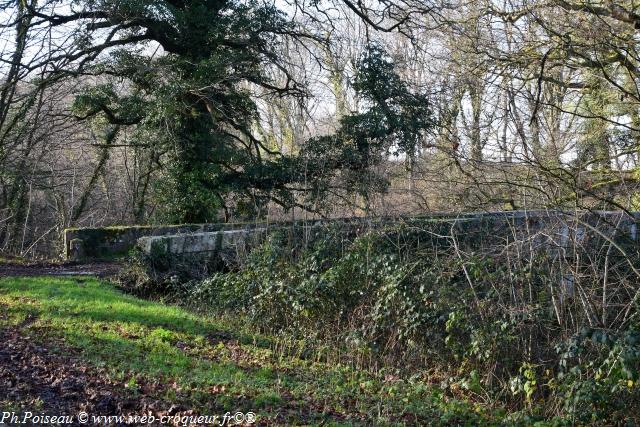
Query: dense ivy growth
[{"x": 192, "y": 110}]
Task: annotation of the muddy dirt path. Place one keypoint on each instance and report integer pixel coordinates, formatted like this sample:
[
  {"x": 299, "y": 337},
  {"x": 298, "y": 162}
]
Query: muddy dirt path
[
  {"x": 35, "y": 378},
  {"x": 98, "y": 269}
]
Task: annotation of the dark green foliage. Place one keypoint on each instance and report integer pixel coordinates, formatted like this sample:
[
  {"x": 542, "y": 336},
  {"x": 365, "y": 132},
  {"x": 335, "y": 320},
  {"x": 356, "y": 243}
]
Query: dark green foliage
[
  {"x": 397, "y": 119},
  {"x": 599, "y": 372},
  {"x": 190, "y": 104},
  {"x": 394, "y": 121}
]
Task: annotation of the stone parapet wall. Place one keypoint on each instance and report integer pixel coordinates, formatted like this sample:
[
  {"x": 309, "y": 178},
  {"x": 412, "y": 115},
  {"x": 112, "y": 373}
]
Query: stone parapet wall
[
  {"x": 194, "y": 243},
  {"x": 554, "y": 228},
  {"x": 112, "y": 242}
]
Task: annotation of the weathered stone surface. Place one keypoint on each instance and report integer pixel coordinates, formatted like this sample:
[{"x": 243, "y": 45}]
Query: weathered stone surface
[
  {"x": 541, "y": 228},
  {"x": 76, "y": 249},
  {"x": 110, "y": 242},
  {"x": 180, "y": 244}
]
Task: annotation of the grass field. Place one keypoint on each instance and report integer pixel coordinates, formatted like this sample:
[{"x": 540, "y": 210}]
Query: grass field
[{"x": 147, "y": 350}]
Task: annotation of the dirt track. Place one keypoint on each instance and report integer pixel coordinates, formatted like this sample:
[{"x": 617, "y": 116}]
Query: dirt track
[
  {"x": 34, "y": 378},
  {"x": 102, "y": 269}
]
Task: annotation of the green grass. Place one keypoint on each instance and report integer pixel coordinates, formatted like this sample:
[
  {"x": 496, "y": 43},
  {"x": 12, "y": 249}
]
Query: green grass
[{"x": 210, "y": 366}]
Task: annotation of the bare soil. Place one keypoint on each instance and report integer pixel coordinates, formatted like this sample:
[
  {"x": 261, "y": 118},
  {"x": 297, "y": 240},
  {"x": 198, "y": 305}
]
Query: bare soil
[
  {"x": 45, "y": 379},
  {"x": 98, "y": 269}
]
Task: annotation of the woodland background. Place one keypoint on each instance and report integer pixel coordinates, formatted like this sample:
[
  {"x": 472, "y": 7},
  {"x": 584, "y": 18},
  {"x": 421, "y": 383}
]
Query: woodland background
[{"x": 139, "y": 111}]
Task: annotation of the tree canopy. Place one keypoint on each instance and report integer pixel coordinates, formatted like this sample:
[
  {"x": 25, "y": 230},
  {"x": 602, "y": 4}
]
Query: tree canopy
[{"x": 193, "y": 111}]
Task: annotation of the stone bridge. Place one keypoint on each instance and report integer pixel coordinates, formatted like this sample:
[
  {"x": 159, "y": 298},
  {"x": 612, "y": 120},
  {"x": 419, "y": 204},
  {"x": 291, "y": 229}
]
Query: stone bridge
[{"x": 554, "y": 228}]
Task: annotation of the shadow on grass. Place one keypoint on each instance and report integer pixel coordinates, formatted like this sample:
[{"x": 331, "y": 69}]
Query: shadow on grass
[{"x": 218, "y": 387}]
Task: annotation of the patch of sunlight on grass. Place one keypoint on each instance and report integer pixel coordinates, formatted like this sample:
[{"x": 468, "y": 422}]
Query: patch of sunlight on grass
[{"x": 109, "y": 326}]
